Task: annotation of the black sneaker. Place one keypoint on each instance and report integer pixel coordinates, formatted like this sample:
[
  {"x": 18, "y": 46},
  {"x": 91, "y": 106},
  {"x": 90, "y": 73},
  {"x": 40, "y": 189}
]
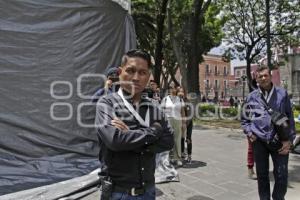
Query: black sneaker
[{"x": 189, "y": 159}]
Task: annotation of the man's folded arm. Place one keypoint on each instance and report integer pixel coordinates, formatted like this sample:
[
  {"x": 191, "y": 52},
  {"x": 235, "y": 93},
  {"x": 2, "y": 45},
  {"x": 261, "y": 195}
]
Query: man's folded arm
[
  {"x": 116, "y": 139},
  {"x": 166, "y": 141}
]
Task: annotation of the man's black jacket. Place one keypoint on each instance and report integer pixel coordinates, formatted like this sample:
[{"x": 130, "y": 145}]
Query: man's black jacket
[{"x": 129, "y": 156}]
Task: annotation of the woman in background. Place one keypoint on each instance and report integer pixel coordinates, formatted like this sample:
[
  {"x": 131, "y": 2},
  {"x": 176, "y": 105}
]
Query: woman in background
[
  {"x": 187, "y": 113},
  {"x": 172, "y": 106}
]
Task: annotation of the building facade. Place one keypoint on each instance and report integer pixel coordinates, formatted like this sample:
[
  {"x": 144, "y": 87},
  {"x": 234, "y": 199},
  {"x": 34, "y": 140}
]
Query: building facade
[
  {"x": 215, "y": 79},
  {"x": 290, "y": 74}
]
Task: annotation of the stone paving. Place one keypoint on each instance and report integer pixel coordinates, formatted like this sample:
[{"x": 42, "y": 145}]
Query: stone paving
[{"x": 219, "y": 171}]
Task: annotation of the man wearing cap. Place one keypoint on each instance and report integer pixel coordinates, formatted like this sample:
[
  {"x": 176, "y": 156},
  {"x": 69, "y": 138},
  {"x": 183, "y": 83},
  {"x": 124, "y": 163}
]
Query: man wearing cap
[
  {"x": 131, "y": 130},
  {"x": 109, "y": 87}
]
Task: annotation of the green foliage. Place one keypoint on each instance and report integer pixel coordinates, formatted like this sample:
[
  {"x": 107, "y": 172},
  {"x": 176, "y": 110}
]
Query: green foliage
[
  {"x": 246, "y": 27},
  {"x": 143, "y": 14},
  {"x": 296, "y": 107},
  {"x": 210, "y": 32},
  {"x": 297, "y": 128},
  {"x": 230, "y": 112},
  {"x": 207, "y": 109},
  {"x": 296, "y": 112}
]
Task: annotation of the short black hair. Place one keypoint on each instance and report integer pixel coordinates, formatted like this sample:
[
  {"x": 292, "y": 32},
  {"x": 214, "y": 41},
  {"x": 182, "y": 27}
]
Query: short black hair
[
  {"x": 137, "y": 53},
  {"x": 112, "y": 71},
  {"x": 262, "y": 68}
]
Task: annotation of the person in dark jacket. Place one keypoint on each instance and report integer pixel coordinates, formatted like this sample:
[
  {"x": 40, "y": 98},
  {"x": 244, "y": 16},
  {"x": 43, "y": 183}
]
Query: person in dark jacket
[
  {"x": 110, "y": 84},
  {"x": 257, "y": 125},
  {"x": 131, "y": 130}
]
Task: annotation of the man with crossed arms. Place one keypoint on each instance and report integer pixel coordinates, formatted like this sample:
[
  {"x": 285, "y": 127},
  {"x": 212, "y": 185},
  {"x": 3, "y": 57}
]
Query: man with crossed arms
[{"x": 131, "y": 130}]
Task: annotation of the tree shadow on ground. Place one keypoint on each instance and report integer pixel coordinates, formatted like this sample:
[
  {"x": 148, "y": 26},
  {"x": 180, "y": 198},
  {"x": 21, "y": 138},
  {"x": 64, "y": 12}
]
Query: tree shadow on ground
[
  {"x": 199, "y": 127},
  {"x": 194, "y": 164}
]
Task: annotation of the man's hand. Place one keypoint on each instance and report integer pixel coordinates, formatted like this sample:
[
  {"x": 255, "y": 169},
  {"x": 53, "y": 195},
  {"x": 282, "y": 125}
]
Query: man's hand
[
  {"x": 116, "y": 122},
  {"x": 285, "y": 149},
  {"x": 252, "y": 138}
]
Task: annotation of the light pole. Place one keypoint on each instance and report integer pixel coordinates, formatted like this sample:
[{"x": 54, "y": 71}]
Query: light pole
[
  {"x": 243, "y": 77},
  {"x": 268, "y": 35}
]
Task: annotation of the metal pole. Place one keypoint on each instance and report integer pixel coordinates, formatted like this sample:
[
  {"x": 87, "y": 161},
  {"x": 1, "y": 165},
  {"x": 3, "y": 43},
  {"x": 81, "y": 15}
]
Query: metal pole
[
  {"x": 269, "y": 53},
  {"x": 243, "y": 79}
]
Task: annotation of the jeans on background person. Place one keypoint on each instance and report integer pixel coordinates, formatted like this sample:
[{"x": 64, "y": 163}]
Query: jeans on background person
[{"x": 280, "y": 162}]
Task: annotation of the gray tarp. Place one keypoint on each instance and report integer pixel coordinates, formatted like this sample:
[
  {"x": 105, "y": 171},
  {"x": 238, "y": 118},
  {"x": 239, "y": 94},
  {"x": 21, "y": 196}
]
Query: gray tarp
[{"x": 45, "y": 47}]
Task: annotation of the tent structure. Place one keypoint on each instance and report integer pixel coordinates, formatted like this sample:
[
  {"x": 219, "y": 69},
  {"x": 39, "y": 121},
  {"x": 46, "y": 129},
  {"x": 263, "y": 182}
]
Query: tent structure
[{"x": 52, "y": 55}]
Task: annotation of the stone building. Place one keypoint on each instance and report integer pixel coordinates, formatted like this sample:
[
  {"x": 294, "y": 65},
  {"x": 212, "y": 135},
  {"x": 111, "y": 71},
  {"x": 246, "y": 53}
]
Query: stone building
[
  {"x": 290, "y": 74},
  {"x": 215, "y": 79}
]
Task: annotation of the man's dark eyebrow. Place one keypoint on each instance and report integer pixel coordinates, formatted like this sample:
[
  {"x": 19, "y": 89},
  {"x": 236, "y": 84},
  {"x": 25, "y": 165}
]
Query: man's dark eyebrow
[{"x": 130, "y": 66}]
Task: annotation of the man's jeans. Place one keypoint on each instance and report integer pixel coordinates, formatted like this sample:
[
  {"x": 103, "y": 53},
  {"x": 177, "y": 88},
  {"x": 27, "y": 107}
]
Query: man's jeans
[
  {"x": 280, "y": 164},
  {"x": 148, "y": 195}
]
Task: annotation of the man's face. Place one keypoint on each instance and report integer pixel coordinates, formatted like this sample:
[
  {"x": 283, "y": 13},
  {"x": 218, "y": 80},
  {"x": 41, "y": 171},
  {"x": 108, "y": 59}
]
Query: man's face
[
  {"x": 264, "y": 79},
  {"x": 109, "y": 83},
  {"x": 134, "y": 75},
  {"x": 180, "y": 92},
  {"x": 173, "y": 91},
  {"x": 153, "y": 86}
]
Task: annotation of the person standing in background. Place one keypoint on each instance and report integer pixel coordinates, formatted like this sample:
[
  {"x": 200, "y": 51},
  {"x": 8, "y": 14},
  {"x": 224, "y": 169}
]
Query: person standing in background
[
  {"x": 257, "y": 125},
  {"x": 110, "y": 86},
  {"x": 188, "y": 127},
  {"x": 172, "y": 105}
]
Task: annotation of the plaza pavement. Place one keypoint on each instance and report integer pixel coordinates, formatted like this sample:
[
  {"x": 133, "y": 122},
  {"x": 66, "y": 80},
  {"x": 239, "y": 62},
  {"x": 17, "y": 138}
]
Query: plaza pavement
[{"x": 219, "y": 170}]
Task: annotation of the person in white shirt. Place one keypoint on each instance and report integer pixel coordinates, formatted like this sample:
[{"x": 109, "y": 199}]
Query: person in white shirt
[{"x": 173, "y": 107}]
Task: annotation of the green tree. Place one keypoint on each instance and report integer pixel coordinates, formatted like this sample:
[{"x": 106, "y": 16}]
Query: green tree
[
  {"x": 246, "y": 28},
  {"x": 195, "y": 28},
  {"x": 149, "y": 17},
  {"x": 143, "y": 14},
  {"x": 192, "y": 29}
]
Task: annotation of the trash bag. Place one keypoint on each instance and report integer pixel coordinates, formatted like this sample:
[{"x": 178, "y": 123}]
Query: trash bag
[{"x": 165, "y": 171}]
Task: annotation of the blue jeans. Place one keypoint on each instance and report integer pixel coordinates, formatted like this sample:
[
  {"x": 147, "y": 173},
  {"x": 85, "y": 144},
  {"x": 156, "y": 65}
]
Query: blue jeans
[
  {"x": 280, "y": 172},
  {"x": 148, "y": 195}
]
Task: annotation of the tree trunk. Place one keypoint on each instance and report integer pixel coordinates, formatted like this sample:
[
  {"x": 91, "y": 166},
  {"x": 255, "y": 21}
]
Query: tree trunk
[
  {"x": 193, "y": 64},
  {"x": 159, "y": 41},
  {"x": 193, "y": 54},
  {"x": 177, "y": 51},
  {"x": 248, "y": 72}
]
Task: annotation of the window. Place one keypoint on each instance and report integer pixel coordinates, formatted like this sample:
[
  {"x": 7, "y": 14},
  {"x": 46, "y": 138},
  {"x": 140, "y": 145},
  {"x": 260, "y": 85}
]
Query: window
[
  {"x": 225, "y": 84},
  {"x": 207, "y": 69},
  {"x": 238, "y": 73},
  {"x": 244, "y": 72},
  {"x": 216, "y": 70},
  {"x": 216, "y": 83},
  {"x": 225, "y": 70}
]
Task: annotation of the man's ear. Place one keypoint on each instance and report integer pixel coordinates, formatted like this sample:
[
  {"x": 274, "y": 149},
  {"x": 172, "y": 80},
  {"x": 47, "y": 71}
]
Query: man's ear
[{"x": 119, "y": 71}]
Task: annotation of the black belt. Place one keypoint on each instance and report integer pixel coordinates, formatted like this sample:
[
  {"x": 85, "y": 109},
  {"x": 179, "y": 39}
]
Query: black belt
[{"x": 130, "y": 191}]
